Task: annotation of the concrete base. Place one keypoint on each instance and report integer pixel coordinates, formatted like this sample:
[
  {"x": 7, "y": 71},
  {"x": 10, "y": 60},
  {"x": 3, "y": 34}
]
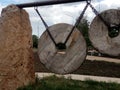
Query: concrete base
[{"x": 80, "y": 77}]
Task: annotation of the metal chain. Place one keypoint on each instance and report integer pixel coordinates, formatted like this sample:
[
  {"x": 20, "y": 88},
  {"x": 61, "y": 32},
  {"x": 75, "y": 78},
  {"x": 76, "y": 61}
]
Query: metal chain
[
  {"x": 46, "y": 26},
  {"x": 97, "y": 13},
  {"x": 113, "y": 29},
  {"x": 77, "y": 22}
]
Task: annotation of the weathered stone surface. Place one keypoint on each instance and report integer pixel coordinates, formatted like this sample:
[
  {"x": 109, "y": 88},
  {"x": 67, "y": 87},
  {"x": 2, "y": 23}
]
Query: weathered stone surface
[
  {"x": 16, "y": 56},
  {"x": 67, "y": 60},
  {"x": 98, "y": 33}
]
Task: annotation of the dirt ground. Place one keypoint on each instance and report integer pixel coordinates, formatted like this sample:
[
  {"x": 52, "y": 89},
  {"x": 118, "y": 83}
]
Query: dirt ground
[{"x": 95, "y": 68}]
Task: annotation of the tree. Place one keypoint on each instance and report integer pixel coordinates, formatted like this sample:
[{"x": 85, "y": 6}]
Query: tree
[
  {"x": 35, "y": 41},
  {"x": 84, "y": 27}
]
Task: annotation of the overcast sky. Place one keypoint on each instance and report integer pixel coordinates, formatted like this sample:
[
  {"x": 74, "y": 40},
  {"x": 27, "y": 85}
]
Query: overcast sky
[{"x": 66, "y": 13}]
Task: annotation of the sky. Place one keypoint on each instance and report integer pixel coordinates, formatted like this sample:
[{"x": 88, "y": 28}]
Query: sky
[{"x": 63, "y": 13}]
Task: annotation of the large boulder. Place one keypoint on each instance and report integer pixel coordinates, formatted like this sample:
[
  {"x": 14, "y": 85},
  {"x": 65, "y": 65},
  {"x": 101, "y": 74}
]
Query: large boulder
[{"x": 16, "y": 56}]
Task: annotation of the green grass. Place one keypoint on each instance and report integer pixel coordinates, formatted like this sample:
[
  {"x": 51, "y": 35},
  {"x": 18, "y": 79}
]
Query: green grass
[{"x": 60, "y": 83}]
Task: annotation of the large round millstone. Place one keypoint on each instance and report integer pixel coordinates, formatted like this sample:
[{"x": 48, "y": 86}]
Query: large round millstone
[
  {"x": 99, "y": 34},
  {"x": 62, "y": 61}
]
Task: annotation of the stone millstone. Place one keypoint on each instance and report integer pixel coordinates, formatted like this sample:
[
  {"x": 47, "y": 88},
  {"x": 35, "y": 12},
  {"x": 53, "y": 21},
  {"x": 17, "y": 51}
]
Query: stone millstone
[
  {"x": 16, "y": 56},
  {"x": 62, "y": 61},
  {"x": 99, "y": 36}
]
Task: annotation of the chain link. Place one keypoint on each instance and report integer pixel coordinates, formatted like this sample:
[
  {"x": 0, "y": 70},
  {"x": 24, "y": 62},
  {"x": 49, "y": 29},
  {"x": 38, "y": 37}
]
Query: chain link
[
  {"x": 97, "y": 14},
  {"x": 77, "y": 22},
  {"x": 46, "y": 26}
]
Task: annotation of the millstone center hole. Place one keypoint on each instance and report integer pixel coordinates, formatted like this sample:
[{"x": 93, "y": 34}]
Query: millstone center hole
[
  {"x": 61, "y": 46},
  {"x": 114, "y": 31}
]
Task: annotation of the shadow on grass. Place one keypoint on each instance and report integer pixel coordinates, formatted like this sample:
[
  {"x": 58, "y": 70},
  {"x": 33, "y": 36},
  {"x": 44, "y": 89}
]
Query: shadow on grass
[{"x": 60, "y": 83}]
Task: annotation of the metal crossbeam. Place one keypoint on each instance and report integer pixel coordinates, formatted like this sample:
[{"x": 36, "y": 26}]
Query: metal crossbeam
[{"x": 44, "y": 3}]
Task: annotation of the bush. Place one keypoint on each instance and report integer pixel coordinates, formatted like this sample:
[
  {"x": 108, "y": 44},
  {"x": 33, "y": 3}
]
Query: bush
[{"x": 35, "y": 41}]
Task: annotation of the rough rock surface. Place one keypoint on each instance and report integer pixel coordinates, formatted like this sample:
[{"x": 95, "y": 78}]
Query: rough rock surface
[
  {"x": 16, "y": 56},
  {"x": 67, "y": 60},
  {"x": 98, "y": 33}
]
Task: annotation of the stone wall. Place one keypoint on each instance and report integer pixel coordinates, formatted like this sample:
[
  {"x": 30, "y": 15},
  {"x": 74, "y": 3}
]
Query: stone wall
[{"x": 16, "y": 56}]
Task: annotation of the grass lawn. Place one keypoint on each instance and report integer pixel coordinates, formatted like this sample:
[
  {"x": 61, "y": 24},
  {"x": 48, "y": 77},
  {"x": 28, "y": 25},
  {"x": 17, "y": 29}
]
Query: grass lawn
[{"x": 60, "y": 83}]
